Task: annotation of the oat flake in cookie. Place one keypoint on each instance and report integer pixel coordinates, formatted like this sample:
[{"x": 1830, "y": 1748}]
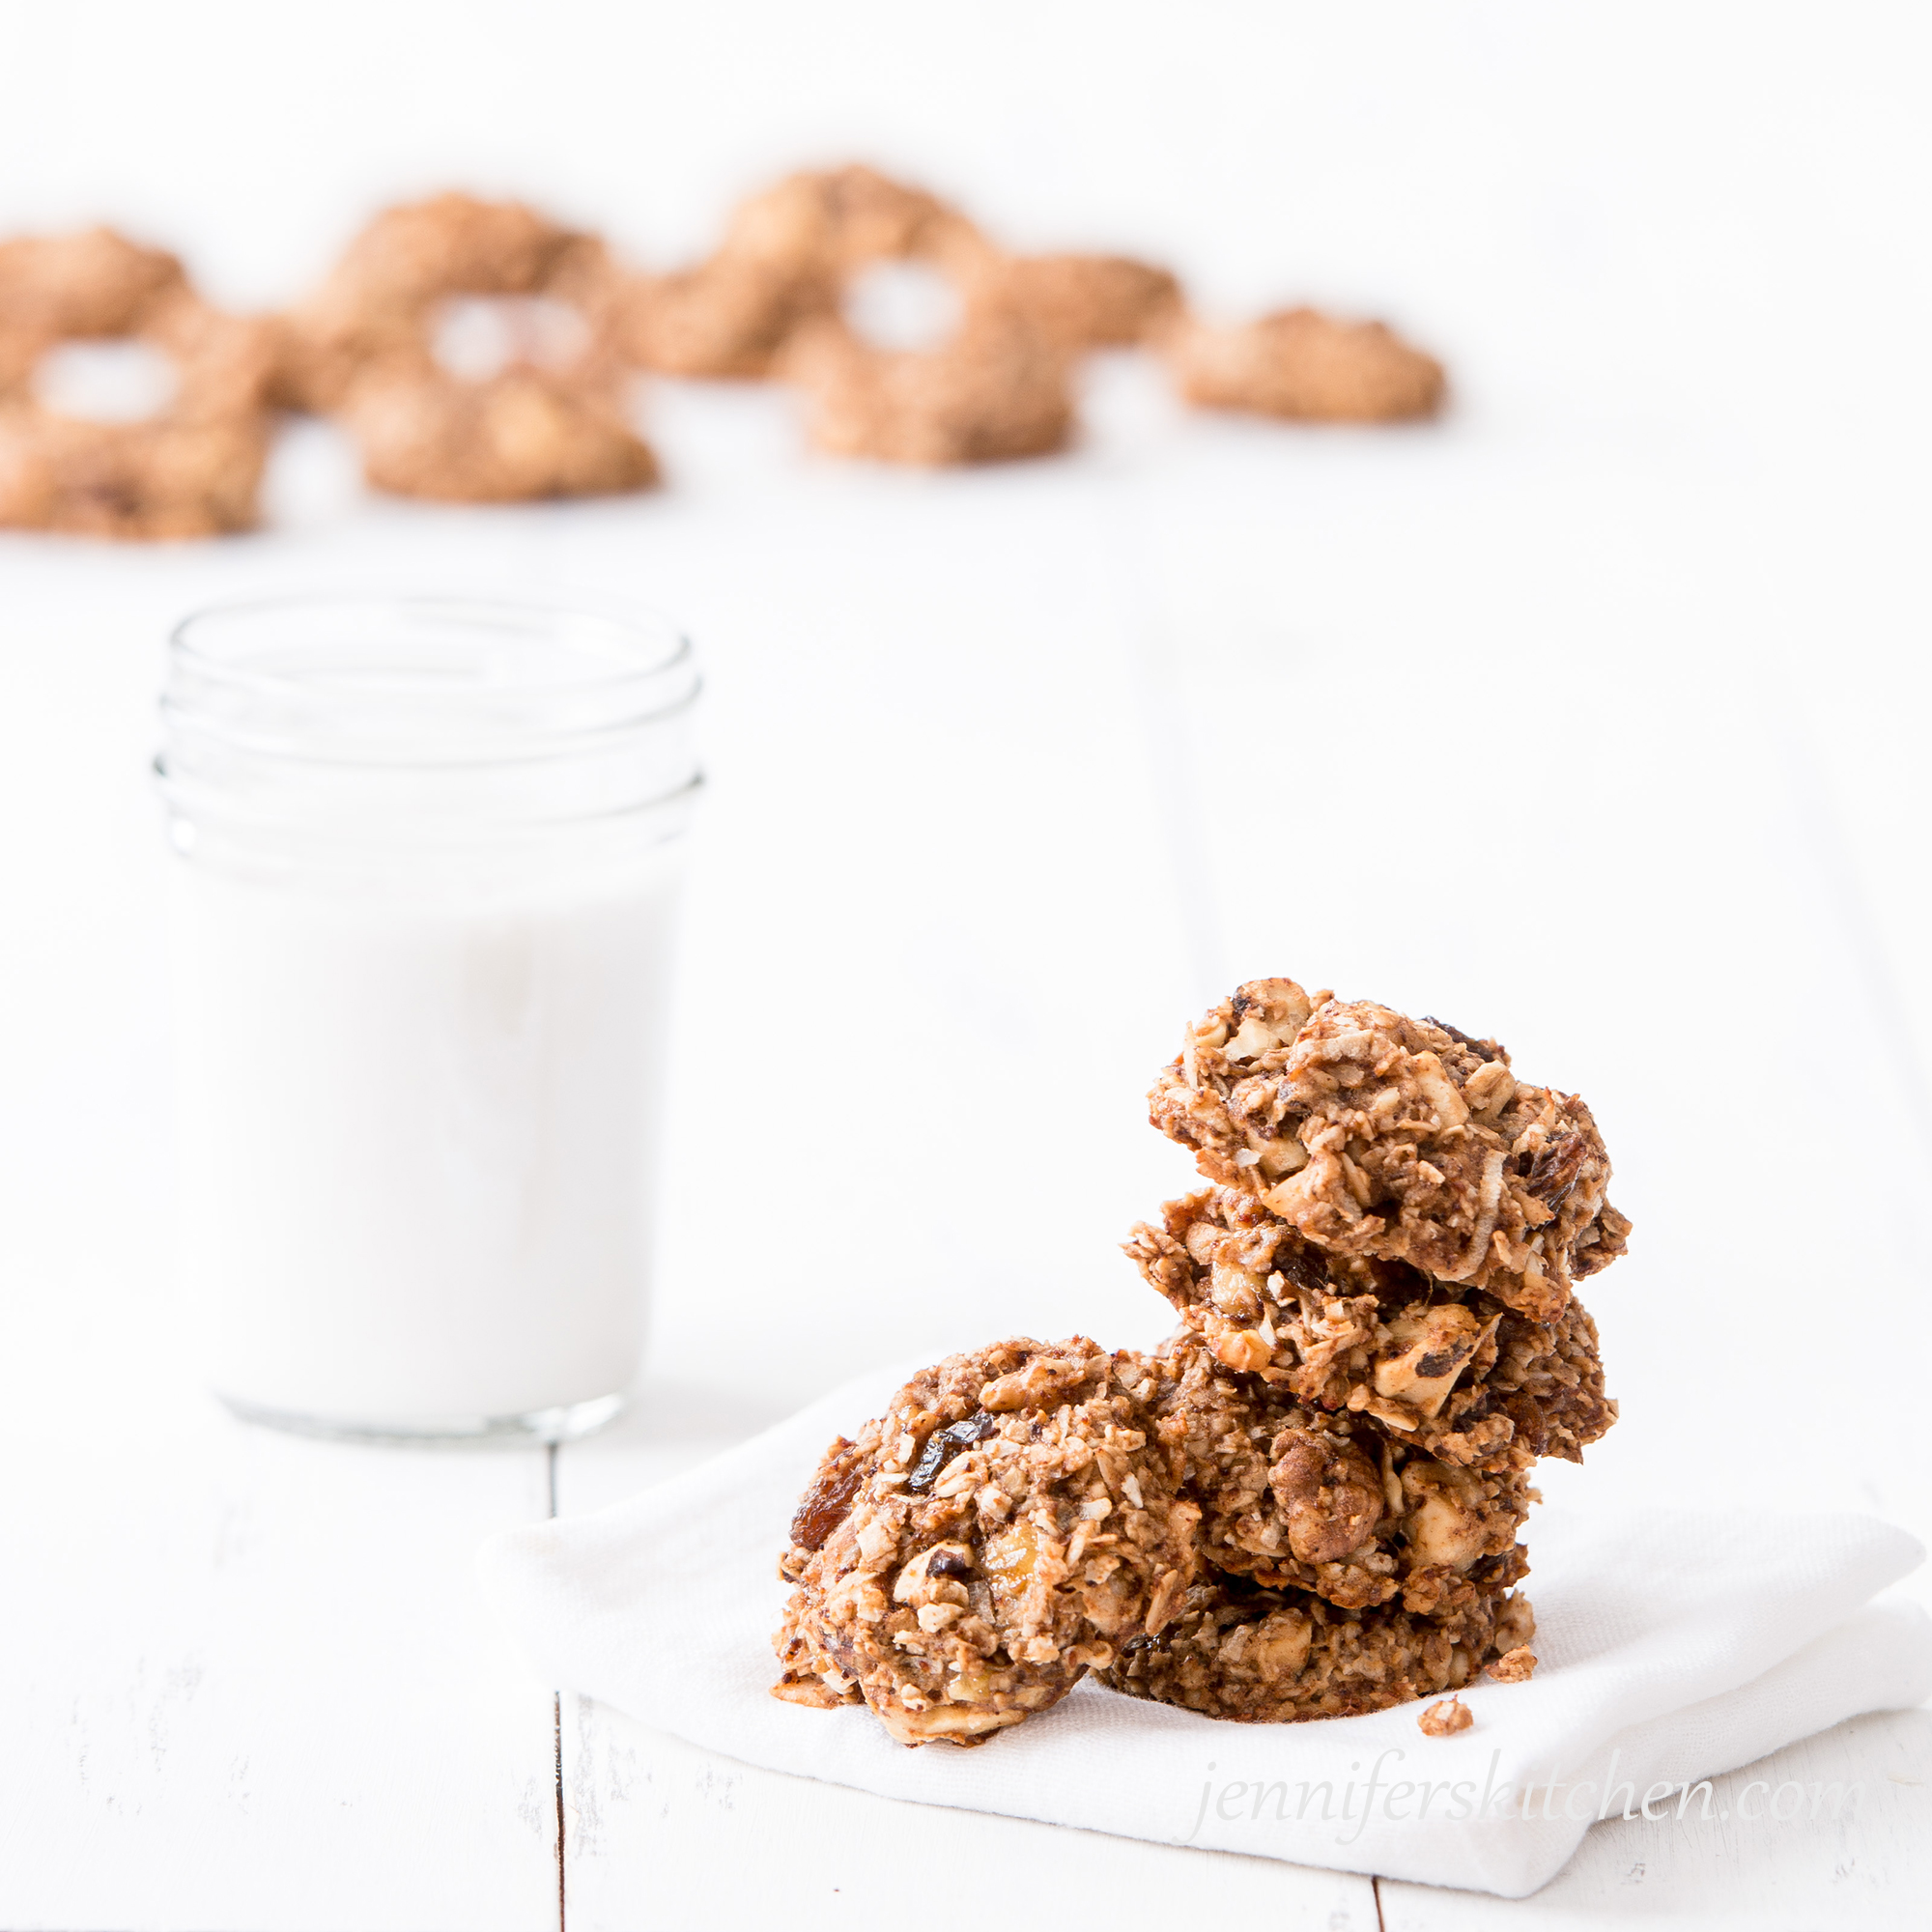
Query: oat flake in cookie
[
  {"x": 1008, "y": 1525},
  {"x": 1376, "y": 1135}
]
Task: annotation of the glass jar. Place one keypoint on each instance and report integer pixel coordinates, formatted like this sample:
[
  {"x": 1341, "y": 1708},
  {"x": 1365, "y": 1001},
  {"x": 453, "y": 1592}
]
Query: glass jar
[{"x": 428, "y": 856}]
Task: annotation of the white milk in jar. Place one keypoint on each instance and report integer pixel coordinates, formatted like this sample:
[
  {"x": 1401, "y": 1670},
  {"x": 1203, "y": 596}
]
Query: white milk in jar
[{"x": 423, "y": 938}]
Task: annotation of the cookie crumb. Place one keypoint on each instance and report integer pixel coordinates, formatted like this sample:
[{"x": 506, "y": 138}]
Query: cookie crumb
[
  {"x": 1514, "y": 1666},
  {"x": 1445, "y": 1717}
]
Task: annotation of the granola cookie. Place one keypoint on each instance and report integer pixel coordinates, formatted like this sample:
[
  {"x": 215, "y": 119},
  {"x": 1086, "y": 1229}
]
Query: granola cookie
[
  {"x": 727, "y": 317},
  {"x": 1009, "y": 1524},
  {"x": 1293, "y": 1496},
  {"x": 379, "y": 303},
  {"x": 1381, "y": 1137},
  {"x": 518, "y": 437},
  {"x": 1271, "y": 1657},
  {"x": 1308, "y": 367},
  {"x": 1082, "y": 301},
  {"x": 57, "y": 287},
  {"x": 838, "y": 219},
  {"x": 546, "y": 411},
  {"x": 998, "y": 388},
  {"x": 771, "y": 301},
  {"x": 1441, "y": 1368},
  {"x": 193, "y": 468},
  {"x": 784, "y": 261}
]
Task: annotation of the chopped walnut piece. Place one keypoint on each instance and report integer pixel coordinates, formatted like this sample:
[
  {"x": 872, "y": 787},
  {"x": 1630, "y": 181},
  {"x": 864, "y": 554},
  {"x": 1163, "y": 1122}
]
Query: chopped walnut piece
[
  {"x": 1515, "y": 1625},
  {"x": 1445, "y": 1717},
  {"x": 1040, "y": 1384},
  {"x": 1425, "y": 1354},
  {"x": 1330, "y": 1495},
  {"x": 1449, "y": 1524}
]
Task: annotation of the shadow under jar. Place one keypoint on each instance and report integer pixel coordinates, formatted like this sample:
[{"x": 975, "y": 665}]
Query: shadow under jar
[{"x": 423, "y": 921}]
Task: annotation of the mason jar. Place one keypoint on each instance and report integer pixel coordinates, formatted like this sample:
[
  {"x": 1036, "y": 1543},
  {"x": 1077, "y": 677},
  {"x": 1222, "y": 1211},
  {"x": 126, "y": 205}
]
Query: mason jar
[{"x": 424, "y": 900}]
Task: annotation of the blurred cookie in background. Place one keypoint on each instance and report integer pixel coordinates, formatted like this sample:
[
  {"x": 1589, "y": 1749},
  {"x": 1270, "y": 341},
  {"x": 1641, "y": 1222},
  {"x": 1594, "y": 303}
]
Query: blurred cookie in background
[
  {"x": 470, "y": 349},
  {"x": 996, "y": 388},
  {"x": 788, "y": 256},
  {"x": 129, "y": 408},
  {"x": 1083, "y": 301},
  {"x": 1306, "y": 367},
  {"x": 917, "y": 357}
]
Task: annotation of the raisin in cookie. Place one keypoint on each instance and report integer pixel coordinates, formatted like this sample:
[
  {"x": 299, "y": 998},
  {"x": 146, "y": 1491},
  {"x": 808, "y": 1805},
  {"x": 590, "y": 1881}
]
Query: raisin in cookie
[
  {"x": 1009, "y": 1524},
  {"x": 1273, "y": 1657},
  {"x": 1381, "y": 1137}
]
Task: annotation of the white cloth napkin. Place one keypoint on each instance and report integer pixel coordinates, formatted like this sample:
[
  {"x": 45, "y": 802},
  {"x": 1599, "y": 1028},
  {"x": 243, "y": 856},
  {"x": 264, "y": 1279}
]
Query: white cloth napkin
[{"x": 1673, "y": 1647}]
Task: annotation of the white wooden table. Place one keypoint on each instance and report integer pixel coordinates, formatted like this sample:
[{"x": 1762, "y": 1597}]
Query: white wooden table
[{"x": 1614, "y": 752}]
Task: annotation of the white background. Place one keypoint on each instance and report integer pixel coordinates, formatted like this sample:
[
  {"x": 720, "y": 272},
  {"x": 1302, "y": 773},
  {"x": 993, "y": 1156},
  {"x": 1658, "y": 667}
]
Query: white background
[
  {"x": 1642, "y": 219},
  {"x": 1594, "y": 717}
]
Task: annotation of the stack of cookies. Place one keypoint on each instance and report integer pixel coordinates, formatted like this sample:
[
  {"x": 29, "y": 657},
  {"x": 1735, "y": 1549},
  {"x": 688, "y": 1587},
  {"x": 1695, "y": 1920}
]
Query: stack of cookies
[
  {"x": 1307, "y": 1503},
  {"x": 1379, "y": 1340}
]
